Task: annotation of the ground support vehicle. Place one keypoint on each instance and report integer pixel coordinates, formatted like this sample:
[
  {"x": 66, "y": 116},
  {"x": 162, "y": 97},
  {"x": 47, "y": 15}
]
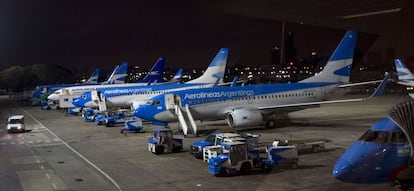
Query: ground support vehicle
[
  {"x": 252, "y": 141},
  {"x": 89, "y": 114},
  {"x": 73, "y": 111},
  {"x": 15, "y": 123},
  {"x": 305, "y": 145},
  {"x": 117, "y": 118},
  {"x": 236, "y": 157},
  {"x": 216, "y": 138},
  {"x": 212, "y": 139},
  {"x": 49, "y": 104},
  {"x": 163, "y": 141},
  {"x": 132, "y": 125},
  {"x": 99, "y": 118}
]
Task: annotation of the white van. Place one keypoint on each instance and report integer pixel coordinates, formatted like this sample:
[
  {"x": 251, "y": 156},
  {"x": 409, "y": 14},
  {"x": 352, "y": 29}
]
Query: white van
[{"x": 15, "y": 123}]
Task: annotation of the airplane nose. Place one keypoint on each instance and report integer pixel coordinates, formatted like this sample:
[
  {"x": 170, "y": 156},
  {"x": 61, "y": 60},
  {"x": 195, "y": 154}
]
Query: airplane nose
[
  {"x": 342, "y": 170},
  {"x": 140, "y": 112},
  {"x": 51, "y": 97},
  {"x": 137, "y": 112}
]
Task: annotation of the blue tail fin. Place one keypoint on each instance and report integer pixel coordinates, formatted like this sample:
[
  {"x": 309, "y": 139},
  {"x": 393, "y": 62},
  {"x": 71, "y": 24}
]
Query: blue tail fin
[
  {"x": 215, "y": 70},
  {"x": 177, "y": 76},
  {"x": 156, "y": 72},
  {"x": 403, "y": 73},
  {"x": 118, "y": 76},
  {"x": 94, "y": 77},
  {"x": 338, "y": 68}
]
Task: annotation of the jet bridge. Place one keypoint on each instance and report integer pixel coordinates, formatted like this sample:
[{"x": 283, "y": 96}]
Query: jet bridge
[
  {"x": 403, "y": 115},
  {"x": 185, "y": 118}
]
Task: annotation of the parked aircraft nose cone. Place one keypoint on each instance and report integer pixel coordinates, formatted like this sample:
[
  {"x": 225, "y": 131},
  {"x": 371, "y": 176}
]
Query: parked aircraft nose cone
[
  {"x": 53, "y": 97},
  {"x": 342, "y": 170}
]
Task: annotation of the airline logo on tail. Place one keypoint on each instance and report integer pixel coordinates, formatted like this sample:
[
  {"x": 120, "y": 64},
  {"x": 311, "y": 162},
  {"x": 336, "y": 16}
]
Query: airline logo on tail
[
  {"x": 155, "y": 74},
  {"x": 403, "y": 72},
  {"x": 338, "y": 68},
  {"x": 119, "y": 75},
  {"x": 94, "y": 77},
  {"x": 215, "y": 71}
]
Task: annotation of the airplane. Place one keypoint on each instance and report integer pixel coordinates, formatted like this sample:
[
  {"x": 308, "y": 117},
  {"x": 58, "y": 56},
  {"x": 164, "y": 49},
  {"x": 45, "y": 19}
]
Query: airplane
[
  {"x": 42, "y": 89},
  {"x": 383, "y": 153},
  {"x": 117, "y": 76},
  {"x": 254, "y": 105},
  {"x": 405, "y": 77},
  {"x": 154, "y": 74},
  {"x": 132, "y": 96}
]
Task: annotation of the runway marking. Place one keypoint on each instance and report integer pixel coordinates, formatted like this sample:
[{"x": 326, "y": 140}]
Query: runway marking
[
  {"x": 46, "y": 145},
  {"x": 73, "y": 150},
  {"x": 42, "y": 167},
  {"x": 48, "y": 176},
  {"x": 54, "y": 186}
]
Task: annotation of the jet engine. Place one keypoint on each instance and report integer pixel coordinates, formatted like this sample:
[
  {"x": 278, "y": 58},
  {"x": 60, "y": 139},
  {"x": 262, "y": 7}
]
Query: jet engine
[{"x": 244, "y": 117}]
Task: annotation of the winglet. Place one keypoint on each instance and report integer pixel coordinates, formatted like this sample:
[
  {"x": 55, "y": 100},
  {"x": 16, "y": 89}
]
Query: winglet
[
  {"x": 234, "y": 83},
  {"x": 381, "y": 86}
]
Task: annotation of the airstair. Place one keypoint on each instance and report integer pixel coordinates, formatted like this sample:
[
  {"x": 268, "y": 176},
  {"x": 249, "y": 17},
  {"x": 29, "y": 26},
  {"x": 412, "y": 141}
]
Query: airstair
[
  {"x": 98, "y": 97},
  {"x": 185, "y": 118}
]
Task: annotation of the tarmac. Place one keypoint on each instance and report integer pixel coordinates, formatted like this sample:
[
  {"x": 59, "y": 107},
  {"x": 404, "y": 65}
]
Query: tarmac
[{"x": 59, "y": 152}]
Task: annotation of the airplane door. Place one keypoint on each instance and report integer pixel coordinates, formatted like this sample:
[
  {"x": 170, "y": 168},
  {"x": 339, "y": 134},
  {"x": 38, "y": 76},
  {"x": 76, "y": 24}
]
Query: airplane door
[
  {"x": 250, "y": 99},
  {"x": 94, "y": 95},
  {"x": 169, "y": 101}
]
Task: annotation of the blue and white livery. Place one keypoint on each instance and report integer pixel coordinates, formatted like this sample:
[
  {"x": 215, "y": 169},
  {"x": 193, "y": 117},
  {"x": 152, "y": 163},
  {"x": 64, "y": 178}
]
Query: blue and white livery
[
  {"x": 133, "y": 96},
  {"x": 376, "y": 157},
  {"x": 115, "y": 80},
  {"x": 384, "y": 153},
  {"x": 254, "y": 105}
]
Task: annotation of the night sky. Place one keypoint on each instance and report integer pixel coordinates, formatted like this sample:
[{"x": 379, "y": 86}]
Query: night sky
[{"x": 84, "y": 35}]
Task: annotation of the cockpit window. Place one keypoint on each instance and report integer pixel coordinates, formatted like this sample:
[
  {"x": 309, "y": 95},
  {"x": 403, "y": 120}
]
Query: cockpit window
[
  {"x": 374, "y": 136},
  {"x": 398, "y": 137},
  {"x": 154, "y": 102}
]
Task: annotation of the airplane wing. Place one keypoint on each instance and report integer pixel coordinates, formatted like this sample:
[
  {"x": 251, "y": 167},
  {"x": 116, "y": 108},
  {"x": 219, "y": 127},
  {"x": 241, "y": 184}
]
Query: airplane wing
[
  {"x": 359, "y": 83},
  {"x": 376, "y": 93},
  {"x": 404, "y": 82}
]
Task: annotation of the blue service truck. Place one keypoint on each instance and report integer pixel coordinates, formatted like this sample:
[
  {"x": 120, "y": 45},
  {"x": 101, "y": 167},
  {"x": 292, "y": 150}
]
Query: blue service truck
[
  {"x": 163, "y": 141},
  {"x": 214, "y": 139},
  {"x": 89, "y": 114},
  {"x": 117, "y": 118},
  {"x": 236, "y": 157},
  {"x": 132, "y": 125}
]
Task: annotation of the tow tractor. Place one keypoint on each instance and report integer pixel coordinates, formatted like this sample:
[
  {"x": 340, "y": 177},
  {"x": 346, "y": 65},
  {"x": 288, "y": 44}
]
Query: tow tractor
[
  {"x": 99, "y": 117},
  {"x": 236, "y": 157},
  {"x": 89, "y": 114},
  {"x": 163, "y": 141},
  {"x": 117, "y": 118},
  {"x": 132, "y": 125}
]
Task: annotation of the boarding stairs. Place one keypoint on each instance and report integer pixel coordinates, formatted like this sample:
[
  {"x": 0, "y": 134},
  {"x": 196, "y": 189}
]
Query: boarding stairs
[
  {"x": 99, "y": 98},
  {"x": 185, "y": 118}
]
